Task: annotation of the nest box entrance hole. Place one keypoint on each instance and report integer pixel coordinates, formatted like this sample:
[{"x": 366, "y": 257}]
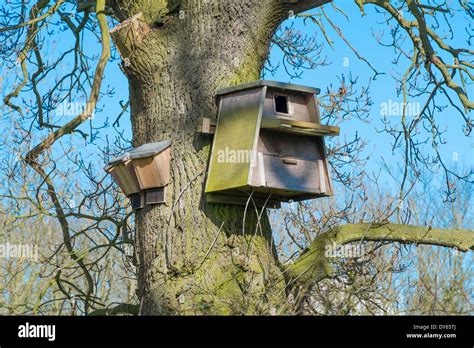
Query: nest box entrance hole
[{"x": 281, "y": 104}]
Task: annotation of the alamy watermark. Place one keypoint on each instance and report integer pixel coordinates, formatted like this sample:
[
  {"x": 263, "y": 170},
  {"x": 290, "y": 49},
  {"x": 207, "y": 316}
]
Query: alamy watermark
[
  {"x": 393, "y": 108},
  {"x": 74, "y": 109},
  {"x": 353, "y": 250},
  {"x": 19, "y": 251},
  {"x": 228, "y": 155}
]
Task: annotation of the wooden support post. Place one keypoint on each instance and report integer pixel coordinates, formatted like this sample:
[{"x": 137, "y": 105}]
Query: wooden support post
[{"x": 206, "y": 126}]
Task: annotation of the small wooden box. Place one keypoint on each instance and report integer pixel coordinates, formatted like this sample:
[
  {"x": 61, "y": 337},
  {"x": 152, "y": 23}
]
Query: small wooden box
[
  {"x": 143, "y": 172},
  {"x": 268, "y": 144}
]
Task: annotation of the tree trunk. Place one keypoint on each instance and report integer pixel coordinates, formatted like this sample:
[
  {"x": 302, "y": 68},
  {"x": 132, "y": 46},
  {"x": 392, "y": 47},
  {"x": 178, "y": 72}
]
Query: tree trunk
[{"x": 194, "y": 257}]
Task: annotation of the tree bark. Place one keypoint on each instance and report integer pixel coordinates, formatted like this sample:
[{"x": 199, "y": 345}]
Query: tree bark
[{"x": 194, "y": 257}]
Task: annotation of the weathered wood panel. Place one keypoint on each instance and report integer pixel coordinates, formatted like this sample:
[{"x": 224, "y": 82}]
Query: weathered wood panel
[
  {"x": 299, "y": 127},
  {"x": 241, "y": 198},
  {"x": 138, "y": 200},
  {"x": 235, "y": 139},
  {"x": 297, "y": 106},
  {"x": 124, "y": 175},
  {"x": 153, "y": 171},
  {"x": 290, "y": 145},
  {"x": 297, "y": 175},
  {"x": 327, "y": 171},
  {"x": 313, "y": 108},
  {"x": 155, "y": 195}
]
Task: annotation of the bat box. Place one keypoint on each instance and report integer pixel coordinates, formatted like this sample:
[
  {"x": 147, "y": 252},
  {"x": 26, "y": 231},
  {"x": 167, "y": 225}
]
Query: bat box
[{"x": 143, "y": 173}]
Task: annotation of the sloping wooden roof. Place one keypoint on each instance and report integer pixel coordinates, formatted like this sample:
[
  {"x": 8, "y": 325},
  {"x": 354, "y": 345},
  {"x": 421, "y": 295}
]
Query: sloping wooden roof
[
  {"x": 145, "y": 150},
  {"x": 274, "y": 84}
]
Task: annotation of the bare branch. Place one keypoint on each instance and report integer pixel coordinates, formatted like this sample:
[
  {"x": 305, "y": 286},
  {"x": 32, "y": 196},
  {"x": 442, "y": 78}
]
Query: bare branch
[{"x": 99, "y": 73}]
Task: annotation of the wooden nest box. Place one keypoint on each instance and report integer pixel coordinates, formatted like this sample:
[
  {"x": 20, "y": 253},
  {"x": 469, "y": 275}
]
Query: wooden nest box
[
  {"x": 143, "y": 173},
  {"x": 268, "y": 143}
]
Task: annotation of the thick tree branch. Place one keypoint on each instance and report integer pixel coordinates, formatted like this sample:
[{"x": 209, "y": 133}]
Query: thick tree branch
[
  {"x": 299, "y": 6},
  {"x": 313, "y": 266}
]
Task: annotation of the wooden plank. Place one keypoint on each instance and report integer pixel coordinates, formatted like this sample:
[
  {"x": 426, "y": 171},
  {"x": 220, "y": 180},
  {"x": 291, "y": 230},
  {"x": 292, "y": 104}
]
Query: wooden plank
[
  {"x": 297, "y": 106},
  {"x": 260, "y": 195},
  {"x": 124, "y": 175},
  {"x": 235, "y": 139},
  {"x": 274, "y": 84},
  {"x": 256, "y": 138},
  {"x": 322, "y": 146},
  {"x": 302, "y": 176},
  {"x": 299, "y": 127},
  {"x": 329, "y": 180},
  {"x": 322, "y": 177},
  {"x": 261, "y": 170},
  {"x": 286, "y": 195},
  {"x": 313, "y": 108},
  {"x": 153, "y": 171},
  {"x": 290, "y": 145},
  {"x": 303, "y": 131},
  {"x": 206, "y": 125}
]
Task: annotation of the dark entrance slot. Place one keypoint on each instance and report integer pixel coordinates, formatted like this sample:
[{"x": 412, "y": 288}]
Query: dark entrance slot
[{"x": 281, "y": 104}]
